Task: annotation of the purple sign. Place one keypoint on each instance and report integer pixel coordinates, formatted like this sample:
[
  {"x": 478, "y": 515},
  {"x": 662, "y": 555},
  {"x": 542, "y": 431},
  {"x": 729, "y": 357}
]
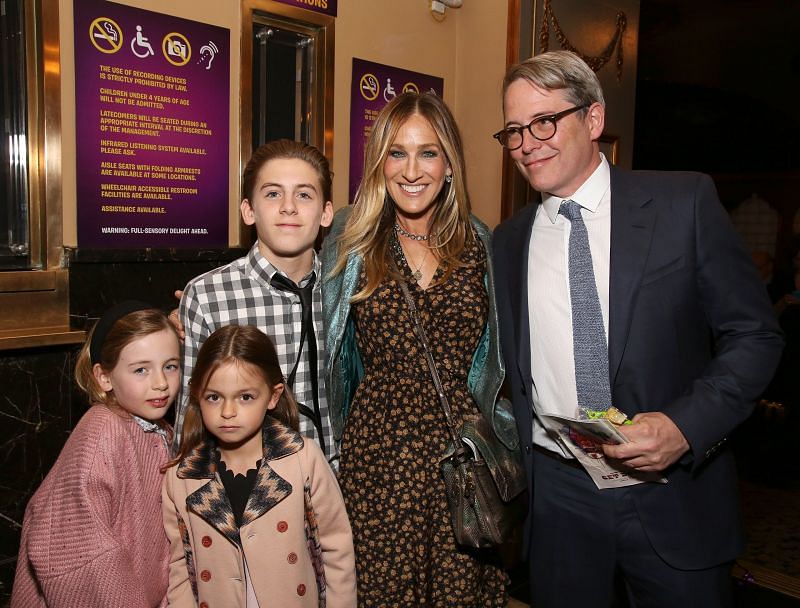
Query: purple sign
[
  {"x": 326, "y": 7},
  {"x": 152, "y": 99},
  {"x": 374, "y": 85}
]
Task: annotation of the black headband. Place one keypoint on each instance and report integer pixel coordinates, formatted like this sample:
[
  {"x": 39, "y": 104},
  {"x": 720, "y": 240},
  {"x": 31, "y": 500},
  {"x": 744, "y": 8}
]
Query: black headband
[{"x": 106, "y": 322}]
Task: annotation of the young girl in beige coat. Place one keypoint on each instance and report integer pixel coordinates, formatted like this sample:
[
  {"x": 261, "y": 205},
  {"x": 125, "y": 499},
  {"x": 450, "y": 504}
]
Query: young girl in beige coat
[{"x": 252, "y": 509}]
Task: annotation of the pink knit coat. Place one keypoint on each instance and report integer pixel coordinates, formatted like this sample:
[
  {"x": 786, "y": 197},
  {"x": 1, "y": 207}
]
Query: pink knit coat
[{"x": 93, "y": 533}]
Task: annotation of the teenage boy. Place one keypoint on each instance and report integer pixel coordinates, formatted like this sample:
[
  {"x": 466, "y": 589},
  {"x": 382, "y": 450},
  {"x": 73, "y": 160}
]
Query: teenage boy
[{"x": 276, "y": 286}]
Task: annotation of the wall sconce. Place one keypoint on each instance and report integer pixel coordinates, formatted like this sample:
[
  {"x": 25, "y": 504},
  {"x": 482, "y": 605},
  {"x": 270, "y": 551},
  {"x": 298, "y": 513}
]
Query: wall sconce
[{"x": 438, "y": 7}]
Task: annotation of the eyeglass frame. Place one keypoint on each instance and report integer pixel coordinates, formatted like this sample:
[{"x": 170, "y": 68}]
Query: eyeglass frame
[{"x": 554, "y": 118}]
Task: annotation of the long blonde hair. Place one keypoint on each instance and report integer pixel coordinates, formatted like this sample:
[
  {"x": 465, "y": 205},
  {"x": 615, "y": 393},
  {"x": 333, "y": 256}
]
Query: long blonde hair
[{"x": 368, "y": 231}]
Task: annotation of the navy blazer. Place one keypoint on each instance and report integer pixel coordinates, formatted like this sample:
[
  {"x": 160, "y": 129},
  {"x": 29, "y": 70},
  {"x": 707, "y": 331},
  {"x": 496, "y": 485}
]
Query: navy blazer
[{"x": 691, "y": 334}]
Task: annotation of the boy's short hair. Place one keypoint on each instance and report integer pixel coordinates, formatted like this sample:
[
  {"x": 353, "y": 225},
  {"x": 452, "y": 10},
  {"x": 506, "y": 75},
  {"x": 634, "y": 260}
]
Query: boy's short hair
[{"x": 286, "y": 148}]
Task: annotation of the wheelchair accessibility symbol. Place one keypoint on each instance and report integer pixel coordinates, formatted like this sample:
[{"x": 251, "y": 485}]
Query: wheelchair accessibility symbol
[
  {"x": 176, "y": 49},
  {"x": 106, "y": 35},
  {"x": 140, "y": 46},
  {"x": 388, "y": 92}
]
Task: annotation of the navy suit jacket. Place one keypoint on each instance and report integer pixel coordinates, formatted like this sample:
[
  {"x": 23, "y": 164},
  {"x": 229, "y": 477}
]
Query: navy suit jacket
[{"x": 691, "y": 334}]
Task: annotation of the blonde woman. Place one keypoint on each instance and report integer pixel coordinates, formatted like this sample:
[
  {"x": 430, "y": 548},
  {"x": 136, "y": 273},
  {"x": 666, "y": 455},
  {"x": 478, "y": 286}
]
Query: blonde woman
[{"x": 410, "y": 222}]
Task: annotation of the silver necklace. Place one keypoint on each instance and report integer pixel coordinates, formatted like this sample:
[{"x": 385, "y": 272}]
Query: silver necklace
[{"x": 409, "y": 235}]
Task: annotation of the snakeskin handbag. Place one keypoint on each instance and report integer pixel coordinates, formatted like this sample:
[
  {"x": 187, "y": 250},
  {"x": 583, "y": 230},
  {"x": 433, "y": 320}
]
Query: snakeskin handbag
[{"x": 481, "y": 476}]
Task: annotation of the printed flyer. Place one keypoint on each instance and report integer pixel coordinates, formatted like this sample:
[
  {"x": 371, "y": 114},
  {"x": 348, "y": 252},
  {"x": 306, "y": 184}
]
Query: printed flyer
[{"x": 584, "y": 438}]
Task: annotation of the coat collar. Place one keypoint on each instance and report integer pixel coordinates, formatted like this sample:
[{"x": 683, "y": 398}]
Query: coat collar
[{"x": 211, "y": 503}]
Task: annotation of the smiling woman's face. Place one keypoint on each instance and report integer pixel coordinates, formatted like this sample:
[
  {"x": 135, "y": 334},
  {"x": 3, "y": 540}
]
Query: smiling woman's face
[{"x": 415, "y": 169}]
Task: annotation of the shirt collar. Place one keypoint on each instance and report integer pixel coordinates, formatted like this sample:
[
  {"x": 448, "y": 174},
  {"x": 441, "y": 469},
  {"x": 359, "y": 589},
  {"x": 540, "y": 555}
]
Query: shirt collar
[
  {"x": 588, "y": 196},
  {"x": 263, "y": 267},
  {"x": 150, "y": 427}
]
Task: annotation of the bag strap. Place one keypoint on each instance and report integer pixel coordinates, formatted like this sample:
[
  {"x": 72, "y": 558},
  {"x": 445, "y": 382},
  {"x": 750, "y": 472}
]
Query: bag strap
[{"x": 437, "y": 382}]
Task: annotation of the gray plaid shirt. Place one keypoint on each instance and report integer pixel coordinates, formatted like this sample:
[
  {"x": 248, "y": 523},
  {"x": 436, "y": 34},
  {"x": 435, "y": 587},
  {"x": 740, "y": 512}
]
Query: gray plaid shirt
[{"x": 241, "y": 294}]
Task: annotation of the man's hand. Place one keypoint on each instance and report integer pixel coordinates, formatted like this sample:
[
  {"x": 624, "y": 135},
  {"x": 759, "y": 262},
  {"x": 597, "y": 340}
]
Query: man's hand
[
  {"x": 655, "y": 443},
  {"x": 175, "y": 318}
]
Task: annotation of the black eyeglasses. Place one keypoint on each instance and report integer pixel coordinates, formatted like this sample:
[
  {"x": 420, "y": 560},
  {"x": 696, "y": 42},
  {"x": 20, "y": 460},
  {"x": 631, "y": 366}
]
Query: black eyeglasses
[{"x": 541, "y": 127}]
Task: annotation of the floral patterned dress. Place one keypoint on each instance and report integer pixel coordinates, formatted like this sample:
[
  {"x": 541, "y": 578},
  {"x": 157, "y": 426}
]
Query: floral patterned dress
[{"x": 395, "y": 436}]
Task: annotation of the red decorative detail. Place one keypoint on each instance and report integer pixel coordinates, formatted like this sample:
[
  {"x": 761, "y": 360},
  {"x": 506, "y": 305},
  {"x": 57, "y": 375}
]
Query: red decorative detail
[
  {"x": 206, "y": 541},
  {"x": 301, "y": 589},
  {"x": 205, "y": 576},
  {"x": 292, "y": 558},
  {"x": 282, "y": 526}
]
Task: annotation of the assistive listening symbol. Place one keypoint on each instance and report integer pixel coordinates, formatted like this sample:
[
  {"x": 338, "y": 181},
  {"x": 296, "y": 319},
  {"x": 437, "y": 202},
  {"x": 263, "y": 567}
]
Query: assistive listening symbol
[
  {"x": 106, "y": 35},
  {"x": 410, "y": 87},
  {"x": 207, "y": 53},
  {"x": 369, "y": 87},
  {"x": 141, "y": 42},
  {"x": 176, "y": 48}
]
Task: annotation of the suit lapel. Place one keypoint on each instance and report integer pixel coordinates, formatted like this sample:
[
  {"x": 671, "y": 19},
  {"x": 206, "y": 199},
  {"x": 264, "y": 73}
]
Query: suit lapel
[
  {"x": 519, "y": 245},
  {"x": 632, "y": 221}
]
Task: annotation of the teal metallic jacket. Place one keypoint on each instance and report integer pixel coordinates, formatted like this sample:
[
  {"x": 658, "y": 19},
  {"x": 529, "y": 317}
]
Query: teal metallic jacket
[{"x": 344, "y": 366}]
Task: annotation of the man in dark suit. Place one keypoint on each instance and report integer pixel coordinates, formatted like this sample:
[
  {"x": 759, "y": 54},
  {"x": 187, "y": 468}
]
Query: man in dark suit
[{"x": 682, "y": 329}]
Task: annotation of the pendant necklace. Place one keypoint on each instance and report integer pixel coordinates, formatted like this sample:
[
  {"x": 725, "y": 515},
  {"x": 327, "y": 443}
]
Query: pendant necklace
[{"x": 417, "y": 274}]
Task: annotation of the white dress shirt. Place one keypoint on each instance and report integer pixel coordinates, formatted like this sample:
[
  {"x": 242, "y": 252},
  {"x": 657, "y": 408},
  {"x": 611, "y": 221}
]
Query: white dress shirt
[{"x": 549, "y": 308}]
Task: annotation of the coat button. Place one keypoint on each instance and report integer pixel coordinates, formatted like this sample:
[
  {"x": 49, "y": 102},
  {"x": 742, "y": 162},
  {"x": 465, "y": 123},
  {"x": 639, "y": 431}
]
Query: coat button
[
  {"x": 292, "y": 558},
  {"x": 527, "y": 449},
  {"x": 301, "y": 589},
  {"x": 203, "y": 604},
  {"x": 206, "y": 541},
  {"x": 282, "y": 526},
  {"x": 205, "y": 576}
]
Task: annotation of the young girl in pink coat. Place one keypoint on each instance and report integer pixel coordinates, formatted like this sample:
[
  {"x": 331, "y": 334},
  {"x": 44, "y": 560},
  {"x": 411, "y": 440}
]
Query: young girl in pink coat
[
  {"x": 92, "y": 535},
  {"x": 252, "y": 509}
]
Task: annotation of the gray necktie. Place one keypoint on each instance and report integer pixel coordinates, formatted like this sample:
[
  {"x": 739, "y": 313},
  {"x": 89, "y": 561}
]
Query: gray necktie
[{"x": 588, "y": 334}]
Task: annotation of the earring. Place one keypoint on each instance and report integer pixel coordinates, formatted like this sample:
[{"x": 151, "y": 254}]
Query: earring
[{"x": 448, "y": 178}]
